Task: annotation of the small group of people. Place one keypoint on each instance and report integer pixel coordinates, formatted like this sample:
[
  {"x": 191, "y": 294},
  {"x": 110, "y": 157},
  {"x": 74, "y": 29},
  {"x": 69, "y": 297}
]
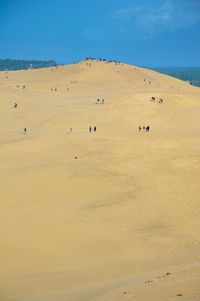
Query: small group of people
[
  {"x": 146, "y": 80},
  {"x": 100, "y": 101},
  {"x": 69, "y": 132},
  {"x": 18, "y": 86},
  {"x": 144, "y": 128},
  {"x": 154, "y": 99},
  {"x": 90, "y": 129},
  {"x": 101, "y": 60},
  {"x": 54, "y": 89}
]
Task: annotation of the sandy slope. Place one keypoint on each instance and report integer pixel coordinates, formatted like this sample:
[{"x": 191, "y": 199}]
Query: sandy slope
[
  {"x": 182, "y": 281},
  {"x": 129, "y": 204}
]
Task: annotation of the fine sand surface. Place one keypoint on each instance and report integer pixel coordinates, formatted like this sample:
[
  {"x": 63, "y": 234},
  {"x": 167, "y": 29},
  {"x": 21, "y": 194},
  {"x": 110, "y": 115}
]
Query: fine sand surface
[
  {"x": 184, "y": 281},
  {"x": 125, "y": 212}
]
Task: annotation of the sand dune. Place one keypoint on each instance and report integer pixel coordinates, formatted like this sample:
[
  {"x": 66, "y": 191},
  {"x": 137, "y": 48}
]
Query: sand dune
[
  {"x": 182, "y": 281},
  {"x": 127, "y": 206}
]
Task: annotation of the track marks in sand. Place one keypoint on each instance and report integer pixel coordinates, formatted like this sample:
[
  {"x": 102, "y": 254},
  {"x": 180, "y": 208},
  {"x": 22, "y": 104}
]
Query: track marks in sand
[
  {"x": 158, "y": 278},
  {"x": 131, "y": 292},
  {"x": 170, "y": 286}
]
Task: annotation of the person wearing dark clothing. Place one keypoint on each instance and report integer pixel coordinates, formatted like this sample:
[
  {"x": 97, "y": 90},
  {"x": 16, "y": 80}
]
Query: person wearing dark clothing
[{"x": 95, "y": 129}]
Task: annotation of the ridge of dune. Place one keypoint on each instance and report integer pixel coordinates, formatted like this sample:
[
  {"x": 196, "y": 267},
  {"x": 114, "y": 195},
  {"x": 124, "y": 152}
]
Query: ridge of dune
[{"x": 82, "y": 208}]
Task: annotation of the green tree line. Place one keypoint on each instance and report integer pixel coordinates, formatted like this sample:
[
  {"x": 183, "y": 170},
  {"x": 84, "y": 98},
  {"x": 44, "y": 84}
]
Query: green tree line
[{"x": 9, "y": 64}]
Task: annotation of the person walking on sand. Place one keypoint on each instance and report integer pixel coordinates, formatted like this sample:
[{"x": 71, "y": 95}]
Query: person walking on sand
[
  {"x": 95, "y": 128},
  {"x": 140, "y": 128},
  {"x": 25, "y": 130},
  {"x": 90, "y": 129}
]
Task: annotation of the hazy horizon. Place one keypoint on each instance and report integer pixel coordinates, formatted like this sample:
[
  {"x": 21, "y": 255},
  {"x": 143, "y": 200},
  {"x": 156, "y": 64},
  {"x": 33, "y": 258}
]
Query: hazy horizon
[{"x": 72, "y": 62}]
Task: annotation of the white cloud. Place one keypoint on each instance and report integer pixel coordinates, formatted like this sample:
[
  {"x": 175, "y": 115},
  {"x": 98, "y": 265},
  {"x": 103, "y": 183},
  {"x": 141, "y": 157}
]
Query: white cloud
[{"x": 171, "y": 16}]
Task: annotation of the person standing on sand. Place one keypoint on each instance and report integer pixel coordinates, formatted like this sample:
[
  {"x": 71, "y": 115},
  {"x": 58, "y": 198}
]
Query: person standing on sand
[
  {"x": 90, "y": 129},
  {"x": 95, "y": 129},
  {"x": 140, "y": 128},
  {"x": 25, "y": 130}
]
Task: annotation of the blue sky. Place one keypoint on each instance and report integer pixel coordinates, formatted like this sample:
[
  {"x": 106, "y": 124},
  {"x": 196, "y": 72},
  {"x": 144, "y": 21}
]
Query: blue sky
[{"x": 144, "y": 33}]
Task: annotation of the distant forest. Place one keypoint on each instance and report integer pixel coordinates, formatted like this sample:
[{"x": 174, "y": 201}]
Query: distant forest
[
  {"x": 22, "y": 64},
  {"x": 191, "y": 74}
]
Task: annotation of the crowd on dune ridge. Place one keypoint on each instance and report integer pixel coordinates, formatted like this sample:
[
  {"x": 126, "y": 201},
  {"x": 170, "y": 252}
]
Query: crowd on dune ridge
[{"x": 102, "y": 60}]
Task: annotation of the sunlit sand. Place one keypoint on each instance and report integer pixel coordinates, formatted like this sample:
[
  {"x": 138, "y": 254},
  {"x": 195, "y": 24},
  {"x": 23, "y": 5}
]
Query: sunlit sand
[{"x": 98, "y": 215}]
